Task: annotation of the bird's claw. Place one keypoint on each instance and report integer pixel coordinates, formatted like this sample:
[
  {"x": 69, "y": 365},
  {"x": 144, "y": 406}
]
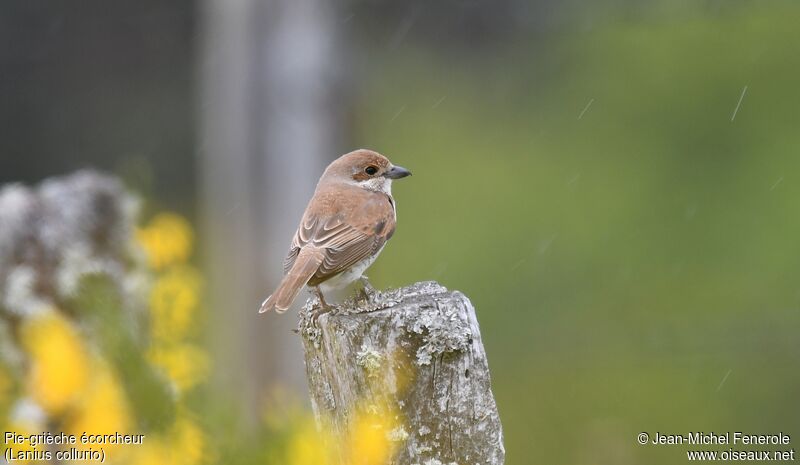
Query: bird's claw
[
  {"x": 367, "y": 291},
  {"x": 318, "y": 311},
  {"x": 320, "y": 307}
]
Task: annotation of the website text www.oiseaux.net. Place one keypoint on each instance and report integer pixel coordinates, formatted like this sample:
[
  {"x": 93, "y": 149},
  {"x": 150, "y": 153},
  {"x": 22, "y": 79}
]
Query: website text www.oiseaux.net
[{"x": 742, "y": 446}]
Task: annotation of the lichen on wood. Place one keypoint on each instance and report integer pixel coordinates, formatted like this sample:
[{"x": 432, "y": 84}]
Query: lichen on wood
[{"x": 414, "y": 354}]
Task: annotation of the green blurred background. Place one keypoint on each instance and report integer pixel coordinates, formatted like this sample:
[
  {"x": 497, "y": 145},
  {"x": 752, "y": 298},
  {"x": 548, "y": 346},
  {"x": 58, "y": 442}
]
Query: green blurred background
[{"x": 631, "y": 247}]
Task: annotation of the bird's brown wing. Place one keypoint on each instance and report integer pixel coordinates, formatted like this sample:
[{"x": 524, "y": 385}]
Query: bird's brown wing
[
  {"x": 346, "y": 238},
  {"x": 344, "y": 245}
]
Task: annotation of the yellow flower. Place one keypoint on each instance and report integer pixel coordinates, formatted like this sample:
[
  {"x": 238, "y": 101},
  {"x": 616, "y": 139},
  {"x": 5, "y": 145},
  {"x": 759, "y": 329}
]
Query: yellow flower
[
  {"x": 58, "y": 372},
  {"x": 167, "y": 239},
  {"x": 308, "y": 447},
  {"x": 173, "y": 301},
  {"x": 183, "y": 444},
  {"x": 103, "y": 409},
  {"x": 188, "y": 441},
  {"x": 371, "y": 438},
  {"x": 184, "y": 364}
]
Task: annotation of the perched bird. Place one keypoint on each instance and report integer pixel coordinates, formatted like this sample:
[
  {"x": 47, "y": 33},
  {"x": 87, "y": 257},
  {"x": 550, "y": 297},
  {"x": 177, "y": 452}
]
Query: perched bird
[{"x": 344, "y": 228}]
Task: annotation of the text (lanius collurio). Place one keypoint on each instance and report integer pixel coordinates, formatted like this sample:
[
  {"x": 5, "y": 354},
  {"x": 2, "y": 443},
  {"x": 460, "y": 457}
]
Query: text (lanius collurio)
[{"x": 47, "y": 446}]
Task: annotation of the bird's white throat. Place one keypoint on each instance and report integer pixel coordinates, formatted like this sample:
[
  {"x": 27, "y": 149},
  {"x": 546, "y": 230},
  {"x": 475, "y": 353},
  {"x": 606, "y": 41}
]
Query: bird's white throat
[{"x": 378, "y": 184}]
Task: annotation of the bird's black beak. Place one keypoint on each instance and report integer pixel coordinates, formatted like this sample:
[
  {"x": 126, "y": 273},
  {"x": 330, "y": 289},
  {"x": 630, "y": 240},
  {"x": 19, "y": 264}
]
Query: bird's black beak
[{"x": 397, "y": 172}]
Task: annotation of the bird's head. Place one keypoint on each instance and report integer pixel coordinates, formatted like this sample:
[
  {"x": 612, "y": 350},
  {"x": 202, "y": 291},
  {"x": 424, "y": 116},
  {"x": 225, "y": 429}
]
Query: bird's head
[{"x": 365, "y": 168}]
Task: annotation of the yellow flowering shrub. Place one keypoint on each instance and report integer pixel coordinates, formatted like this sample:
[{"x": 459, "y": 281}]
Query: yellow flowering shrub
[
  {"x": 185, "y": 365},
  {"x": 97, "y": 326},
  {"x": 189, "y": 442},
  {"x": 371, "y": 438},
  {"x": 103, "y": 409},
  {"x": 173, "y": 302},
  {"x": 59, "y": 363},
  {"x": 174, "y": 299},
  {"x": 167, "y": 240},
  {"x": 307, "y": 446},
  {"x": 183, "y": 444}
]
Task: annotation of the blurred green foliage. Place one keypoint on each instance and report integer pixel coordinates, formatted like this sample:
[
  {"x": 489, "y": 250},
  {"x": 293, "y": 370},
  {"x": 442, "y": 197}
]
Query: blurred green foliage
[
  {"x": 99, "y": 306},
  {"x": 633, "y": 263}
]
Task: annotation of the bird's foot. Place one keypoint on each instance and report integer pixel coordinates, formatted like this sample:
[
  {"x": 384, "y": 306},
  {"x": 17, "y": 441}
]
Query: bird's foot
[
  {"x": 320, "y": 308},
  {"x": 318, "y": 312},
  {"x": 368, "y": 293}
]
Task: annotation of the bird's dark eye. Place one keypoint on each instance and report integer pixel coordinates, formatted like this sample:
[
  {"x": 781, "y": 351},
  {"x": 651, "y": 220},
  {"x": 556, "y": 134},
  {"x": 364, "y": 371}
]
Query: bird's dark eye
[{"x": 370, "y": 170}]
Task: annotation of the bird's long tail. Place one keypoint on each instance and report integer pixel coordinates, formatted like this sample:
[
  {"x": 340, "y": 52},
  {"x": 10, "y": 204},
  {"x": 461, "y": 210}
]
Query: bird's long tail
[{"x": 304, "y": 267}]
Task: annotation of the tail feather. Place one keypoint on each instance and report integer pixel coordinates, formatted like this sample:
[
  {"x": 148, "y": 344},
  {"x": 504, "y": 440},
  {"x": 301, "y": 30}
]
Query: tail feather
[{"x": 304, "y": 267}]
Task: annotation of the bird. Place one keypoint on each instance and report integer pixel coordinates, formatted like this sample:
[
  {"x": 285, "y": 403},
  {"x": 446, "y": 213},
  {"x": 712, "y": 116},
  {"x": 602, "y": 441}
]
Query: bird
[{"x": 344, "y": 228}]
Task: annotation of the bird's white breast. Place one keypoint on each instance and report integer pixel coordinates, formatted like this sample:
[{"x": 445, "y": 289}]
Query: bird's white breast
[{"x": 352, "y": 274}]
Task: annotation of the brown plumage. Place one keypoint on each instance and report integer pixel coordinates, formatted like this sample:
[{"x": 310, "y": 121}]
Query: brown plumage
[{"x": 344, "y": 228}]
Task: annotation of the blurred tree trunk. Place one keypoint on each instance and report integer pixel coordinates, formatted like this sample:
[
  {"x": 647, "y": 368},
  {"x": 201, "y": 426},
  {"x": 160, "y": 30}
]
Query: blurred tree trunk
[{"x": 271, "y": 119}]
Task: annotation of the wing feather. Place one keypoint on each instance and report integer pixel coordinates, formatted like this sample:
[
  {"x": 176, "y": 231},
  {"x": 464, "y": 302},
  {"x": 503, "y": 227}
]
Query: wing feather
[{"x": 343, "y": 243}]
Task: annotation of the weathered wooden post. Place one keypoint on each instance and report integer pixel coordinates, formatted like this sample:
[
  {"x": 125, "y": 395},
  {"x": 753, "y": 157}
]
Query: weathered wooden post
[{"x": 411, "y": 360}]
